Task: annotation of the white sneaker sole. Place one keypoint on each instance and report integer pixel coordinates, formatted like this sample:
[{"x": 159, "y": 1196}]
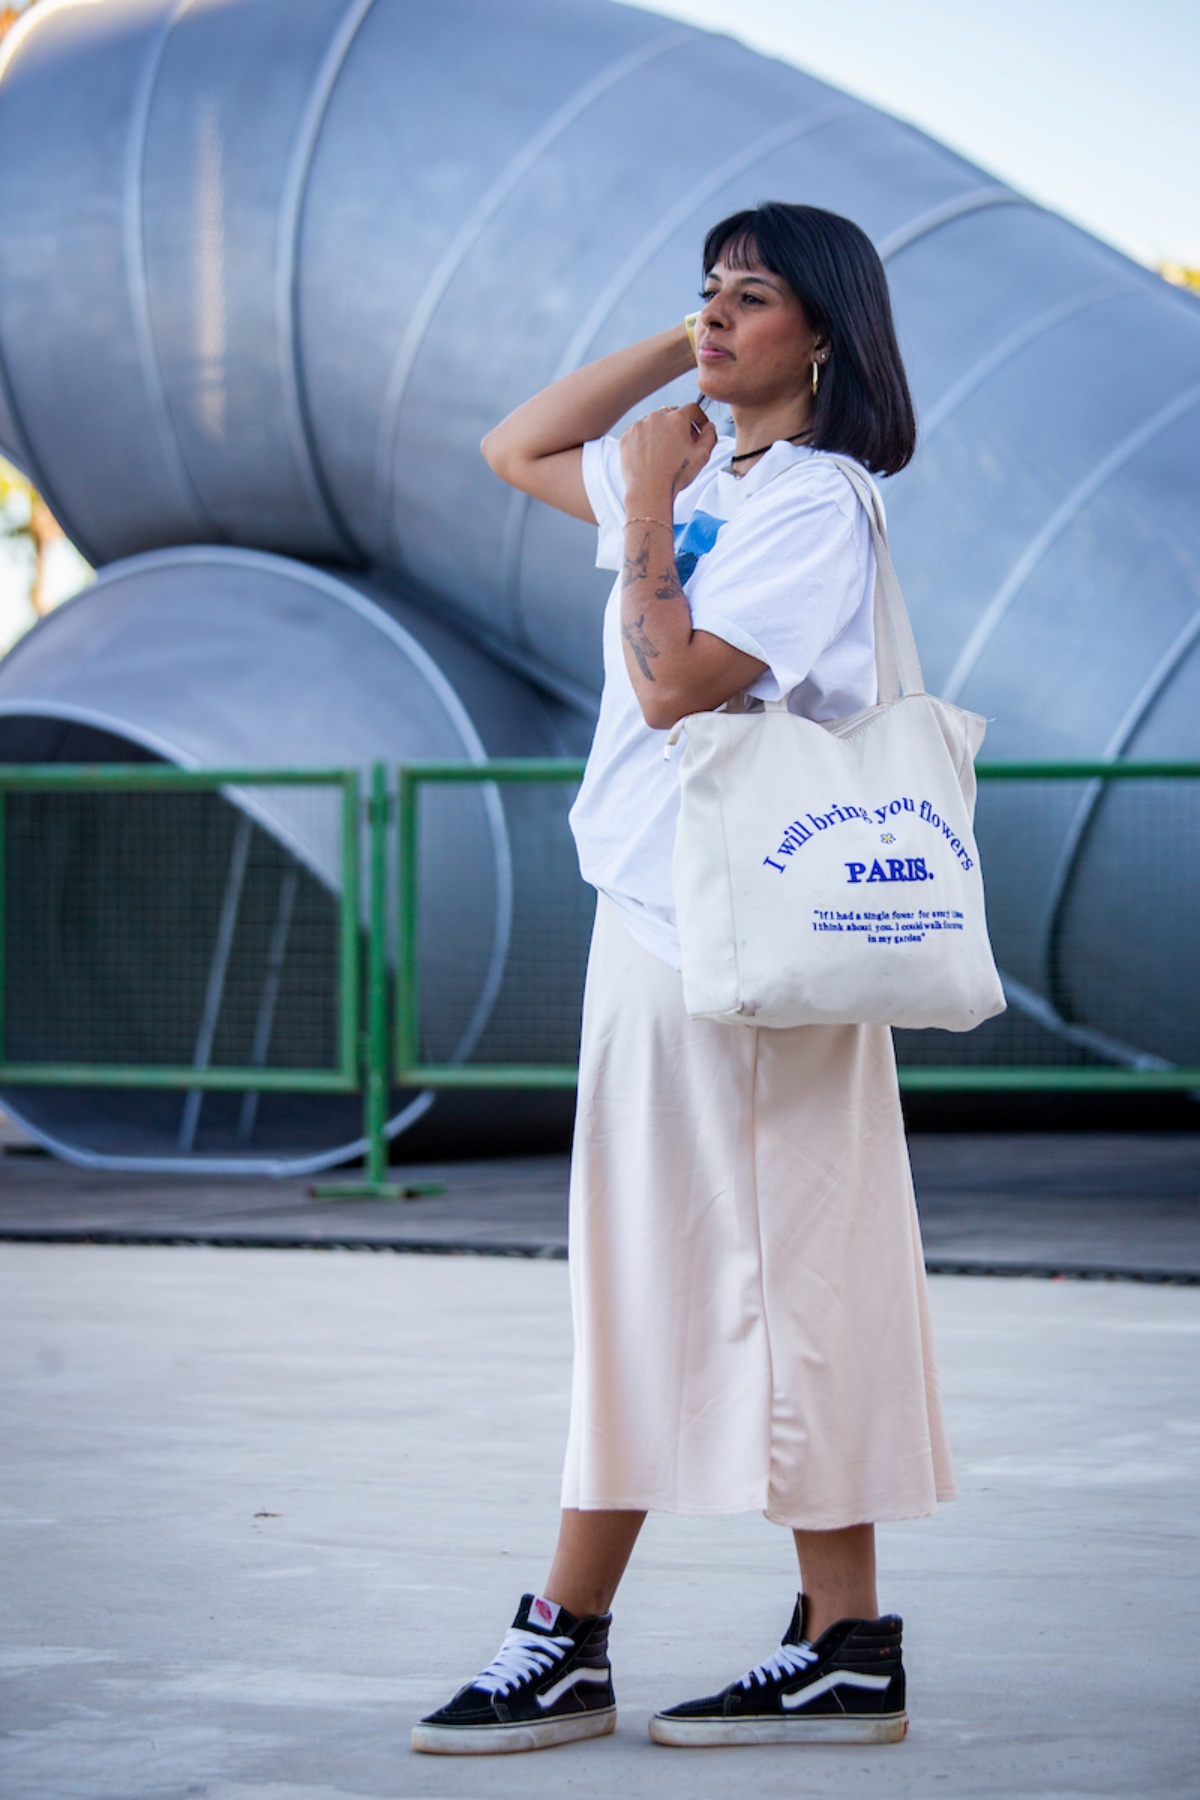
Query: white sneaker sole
[
  {"x": 504, "y": 1740},
  {"x": 821, "y": 1728}
]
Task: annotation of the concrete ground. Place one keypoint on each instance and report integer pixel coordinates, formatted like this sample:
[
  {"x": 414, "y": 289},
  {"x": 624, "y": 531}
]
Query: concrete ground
[{"x": 262, "y": 1509}]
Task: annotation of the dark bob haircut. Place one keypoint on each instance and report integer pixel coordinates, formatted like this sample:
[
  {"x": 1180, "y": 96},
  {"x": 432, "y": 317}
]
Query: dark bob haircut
[{"x": 863, "y": 407}]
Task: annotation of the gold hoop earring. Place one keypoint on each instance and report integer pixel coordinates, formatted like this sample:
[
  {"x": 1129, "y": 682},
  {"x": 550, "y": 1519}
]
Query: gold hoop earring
[{"x": 816, "y": 369}]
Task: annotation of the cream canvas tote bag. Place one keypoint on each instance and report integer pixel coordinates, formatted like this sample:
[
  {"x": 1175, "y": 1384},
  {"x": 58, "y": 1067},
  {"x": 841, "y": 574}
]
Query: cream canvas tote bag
[{"x": 828, "y": 874}]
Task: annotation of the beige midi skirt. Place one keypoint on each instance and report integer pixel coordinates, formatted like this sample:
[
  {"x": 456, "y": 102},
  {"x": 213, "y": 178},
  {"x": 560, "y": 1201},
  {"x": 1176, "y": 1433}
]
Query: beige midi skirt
[{"x": 748, "y": 1289}]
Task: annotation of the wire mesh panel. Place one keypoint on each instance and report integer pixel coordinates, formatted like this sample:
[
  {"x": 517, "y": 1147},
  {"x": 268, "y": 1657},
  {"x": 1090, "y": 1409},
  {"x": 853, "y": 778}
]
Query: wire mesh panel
[
  {"x": 536, "y": 1016},
  {"x": 1093, "y": 890},
  {"x": 523, "y": 973},
  {"x": 465, "y": 881},
  {"x": 163, "y": 928}
]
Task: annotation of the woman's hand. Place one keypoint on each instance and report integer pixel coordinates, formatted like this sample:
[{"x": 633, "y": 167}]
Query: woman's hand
[
  {"x": 674, "y": 669},
  {"x": 662, "y": 454}
]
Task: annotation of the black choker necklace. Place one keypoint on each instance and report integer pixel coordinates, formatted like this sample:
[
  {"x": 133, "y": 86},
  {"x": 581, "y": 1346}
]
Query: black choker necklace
[{"x": 747, "y": 454}]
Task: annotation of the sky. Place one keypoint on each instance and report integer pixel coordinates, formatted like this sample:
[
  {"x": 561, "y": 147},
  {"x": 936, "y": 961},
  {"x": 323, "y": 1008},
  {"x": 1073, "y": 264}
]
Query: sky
[{"x": 1091, "y": 107}]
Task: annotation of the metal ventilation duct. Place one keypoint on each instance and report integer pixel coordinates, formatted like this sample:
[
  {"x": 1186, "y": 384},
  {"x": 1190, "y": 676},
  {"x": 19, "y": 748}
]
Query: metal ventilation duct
[
  {"x": 267, "y": 272},
  {"x": 211, "y": 658}
]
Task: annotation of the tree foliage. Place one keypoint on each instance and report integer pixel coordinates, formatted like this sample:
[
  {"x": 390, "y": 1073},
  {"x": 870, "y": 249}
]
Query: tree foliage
[
  {"x": 11, "y": 12},
  {"x": 25, "y": 518}
]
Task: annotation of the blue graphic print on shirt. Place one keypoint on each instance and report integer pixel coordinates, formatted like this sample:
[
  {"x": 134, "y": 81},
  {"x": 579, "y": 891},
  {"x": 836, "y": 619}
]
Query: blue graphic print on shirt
[{"x": 694, "y": 540}]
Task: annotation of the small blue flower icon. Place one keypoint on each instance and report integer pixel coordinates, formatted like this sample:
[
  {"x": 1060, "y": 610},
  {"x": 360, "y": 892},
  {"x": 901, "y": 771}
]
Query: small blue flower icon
[{"x": 887, "y": 837}]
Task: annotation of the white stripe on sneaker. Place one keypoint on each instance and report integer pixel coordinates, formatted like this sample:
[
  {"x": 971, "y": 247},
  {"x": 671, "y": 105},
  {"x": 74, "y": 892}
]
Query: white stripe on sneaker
[
  {"x": 568, "y": 1681},
  {"x": 836, "y": 1678}
]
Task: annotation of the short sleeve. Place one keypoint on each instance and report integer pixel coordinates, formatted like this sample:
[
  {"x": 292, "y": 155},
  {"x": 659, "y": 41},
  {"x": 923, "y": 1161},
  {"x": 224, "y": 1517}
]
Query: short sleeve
[
  {"x": 604, "y": 480},
  {"x": 787, "y": 575}
]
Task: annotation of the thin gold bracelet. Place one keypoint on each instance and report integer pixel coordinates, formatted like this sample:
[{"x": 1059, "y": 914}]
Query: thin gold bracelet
[{"x": 641, "y": 519}]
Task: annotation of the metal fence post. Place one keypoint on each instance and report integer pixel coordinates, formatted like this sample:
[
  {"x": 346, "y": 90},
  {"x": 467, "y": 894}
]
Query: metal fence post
[
  {"x": 376, "y": 1054},
  {"x": 408, "y": 1030}
]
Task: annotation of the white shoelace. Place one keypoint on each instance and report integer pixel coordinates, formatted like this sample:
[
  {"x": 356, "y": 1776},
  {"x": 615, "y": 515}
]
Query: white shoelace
[
  {"x": 521, "y": 1655},
  {"x": 789, "y": 1659}
]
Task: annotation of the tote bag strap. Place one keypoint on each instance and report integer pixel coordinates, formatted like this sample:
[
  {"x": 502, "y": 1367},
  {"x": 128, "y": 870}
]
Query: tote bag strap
[{"x": 896, "y": 661}]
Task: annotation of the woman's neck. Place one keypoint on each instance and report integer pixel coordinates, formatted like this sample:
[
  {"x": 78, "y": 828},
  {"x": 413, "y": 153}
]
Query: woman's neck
[{"x": 758, "y": 427}]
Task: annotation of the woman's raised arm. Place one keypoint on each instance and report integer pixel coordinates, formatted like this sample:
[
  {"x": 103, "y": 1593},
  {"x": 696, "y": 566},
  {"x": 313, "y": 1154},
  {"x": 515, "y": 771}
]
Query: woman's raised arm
[{"x": 538, "y": 448}]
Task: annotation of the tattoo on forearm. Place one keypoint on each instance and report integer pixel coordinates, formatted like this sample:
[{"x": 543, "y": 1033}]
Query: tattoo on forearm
[
  {"x": 636, "y": 568},
  {"x": 668, "y": 584},
  {"x": 635, "y": 636},
  {"x": 663, "y": 584}
]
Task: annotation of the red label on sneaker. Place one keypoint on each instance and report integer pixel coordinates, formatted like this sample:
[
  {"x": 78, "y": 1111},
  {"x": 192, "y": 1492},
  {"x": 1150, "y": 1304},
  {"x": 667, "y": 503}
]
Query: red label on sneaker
[{"x": 542, "y": 1613}]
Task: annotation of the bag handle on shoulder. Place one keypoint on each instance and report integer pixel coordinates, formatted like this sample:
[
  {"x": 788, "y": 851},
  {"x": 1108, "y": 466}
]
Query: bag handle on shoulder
[{"x": 896, "y": 661}]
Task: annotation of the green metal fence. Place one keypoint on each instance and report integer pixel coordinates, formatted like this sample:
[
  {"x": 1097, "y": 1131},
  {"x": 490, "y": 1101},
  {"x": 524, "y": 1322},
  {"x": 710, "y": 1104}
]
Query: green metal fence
[
  {"x": 211, "y": 874},
  {"x": 1033, "y": 1048}
]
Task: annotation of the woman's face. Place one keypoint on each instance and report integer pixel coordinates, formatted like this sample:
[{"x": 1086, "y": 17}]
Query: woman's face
[{"x": 755, "y": 346}]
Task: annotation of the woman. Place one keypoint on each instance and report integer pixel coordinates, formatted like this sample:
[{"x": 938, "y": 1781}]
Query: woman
[{"x": 751, "y": 1325}]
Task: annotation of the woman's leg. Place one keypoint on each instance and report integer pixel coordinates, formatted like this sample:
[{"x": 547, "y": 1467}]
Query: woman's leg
[
  {"x": 589, "y": 1560},
  {"x": 837, "y": 1573}
]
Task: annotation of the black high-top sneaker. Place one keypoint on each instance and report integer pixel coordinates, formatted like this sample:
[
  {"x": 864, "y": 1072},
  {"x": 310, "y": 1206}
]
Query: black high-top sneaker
[
  {"x": 550, "y": 1682},
  {"x": 847, "y": 1688}
]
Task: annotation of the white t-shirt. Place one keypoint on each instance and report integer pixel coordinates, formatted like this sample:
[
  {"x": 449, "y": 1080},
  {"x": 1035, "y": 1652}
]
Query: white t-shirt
[{"x": 778, "y": 563}]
